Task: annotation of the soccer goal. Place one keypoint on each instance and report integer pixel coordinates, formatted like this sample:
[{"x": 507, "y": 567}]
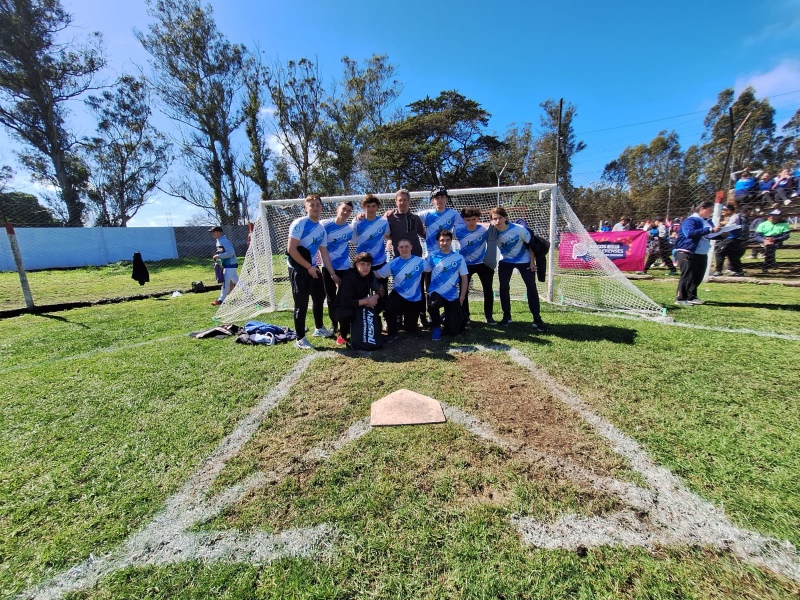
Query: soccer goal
[{"x": 582, "y": 276}]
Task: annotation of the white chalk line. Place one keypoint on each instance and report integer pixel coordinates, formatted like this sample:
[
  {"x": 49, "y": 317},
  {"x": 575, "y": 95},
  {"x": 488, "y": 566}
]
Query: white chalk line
[
  {"x": 666, "y": 514},
  {"x": 108, "y": 350},
  {"x": 167, "y": 538}
]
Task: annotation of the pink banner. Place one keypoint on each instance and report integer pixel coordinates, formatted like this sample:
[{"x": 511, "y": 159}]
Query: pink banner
[{"x": 626, "y": 249}]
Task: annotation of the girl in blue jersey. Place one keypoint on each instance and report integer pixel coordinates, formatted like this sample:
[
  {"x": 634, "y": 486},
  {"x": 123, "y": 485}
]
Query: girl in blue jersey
[
  {"x": 472, "y": 241},
  {"x": 307, "y": 238},
  {"x": 512, "y": 242},
  {"x": 371, "y": 232},
  {"x": 406, "y": 296},
  {"x": 339, "y": 233},
  {"x": 448, "y": 287}
]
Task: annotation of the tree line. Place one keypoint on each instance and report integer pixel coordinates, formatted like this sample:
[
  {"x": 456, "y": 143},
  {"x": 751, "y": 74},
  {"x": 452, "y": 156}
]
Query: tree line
[{"x": 244, "y": 125}]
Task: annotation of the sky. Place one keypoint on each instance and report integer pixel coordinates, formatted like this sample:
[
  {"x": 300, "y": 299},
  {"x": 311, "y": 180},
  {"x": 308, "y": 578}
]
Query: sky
[{"x": 632, "y": 69}]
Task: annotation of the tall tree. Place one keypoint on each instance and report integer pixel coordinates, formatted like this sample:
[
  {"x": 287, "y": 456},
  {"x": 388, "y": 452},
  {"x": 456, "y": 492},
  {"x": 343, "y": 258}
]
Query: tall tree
[
  {"x": 754, "y": 145},
  {"x": 297, "y": 92},
  {"x": 255, "y": 126},
  {"x": 129, "y": 156},
  {"x": 789, "y": 146},
  {"x": 442, "y": 141},
  {"x": 198, "y": 74},
  {"x": 38, "y": 75},
  {"x": 543, "y": 161},
  {"x": 356, "y": 106}
]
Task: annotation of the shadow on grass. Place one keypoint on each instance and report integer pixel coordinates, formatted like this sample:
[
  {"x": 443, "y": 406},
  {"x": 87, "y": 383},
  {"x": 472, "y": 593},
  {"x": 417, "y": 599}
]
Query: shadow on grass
[
  {"x": 62, "y": 319},
  {"x": 754, "y": 305}
]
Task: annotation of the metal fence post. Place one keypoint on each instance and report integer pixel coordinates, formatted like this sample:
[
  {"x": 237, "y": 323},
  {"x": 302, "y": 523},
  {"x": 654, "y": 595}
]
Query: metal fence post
[{"x": 23, "y": 277}]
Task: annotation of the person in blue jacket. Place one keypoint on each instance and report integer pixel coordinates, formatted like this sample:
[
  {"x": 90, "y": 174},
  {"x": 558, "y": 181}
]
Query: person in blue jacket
[
  {"x": 691, "y": 251},
  {"x": 225, "y": 253}
]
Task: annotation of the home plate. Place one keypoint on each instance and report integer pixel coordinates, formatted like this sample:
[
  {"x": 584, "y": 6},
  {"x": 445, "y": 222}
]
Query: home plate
[{"x": 405, "y": 407}]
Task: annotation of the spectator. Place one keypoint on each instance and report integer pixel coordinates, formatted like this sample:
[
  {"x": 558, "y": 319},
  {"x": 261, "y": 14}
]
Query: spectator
[
  {"x": 225, "y": 253},
  {"x": 730, "y": 247},
  {"x": 745, "y": 188},
  {"x": 772, "y": 233},
  {"x": 623, "y": 225},
  {"x": 606, "y": 226},
  {"x": 783, "y": 188},
  {"x": 659, "y": 247}
]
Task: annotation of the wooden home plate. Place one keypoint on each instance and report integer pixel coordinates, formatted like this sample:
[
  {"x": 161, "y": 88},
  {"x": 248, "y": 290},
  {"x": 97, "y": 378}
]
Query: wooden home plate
[{"x": 405, "y": 407}]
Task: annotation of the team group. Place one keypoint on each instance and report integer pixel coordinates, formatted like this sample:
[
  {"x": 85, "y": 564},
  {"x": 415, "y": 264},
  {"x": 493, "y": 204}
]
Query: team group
[{"x": 438, "y": 282}]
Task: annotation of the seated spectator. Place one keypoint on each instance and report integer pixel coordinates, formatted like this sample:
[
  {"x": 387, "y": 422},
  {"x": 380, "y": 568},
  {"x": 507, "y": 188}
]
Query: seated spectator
[
  {"x": 783, "y": 188},
  {"x": 772, "y": 233},
  {"x": 745, "y": 188}
]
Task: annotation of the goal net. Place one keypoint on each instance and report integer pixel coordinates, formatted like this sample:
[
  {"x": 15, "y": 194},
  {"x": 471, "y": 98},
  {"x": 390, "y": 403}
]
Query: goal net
[{"x": 584, "y": 277}]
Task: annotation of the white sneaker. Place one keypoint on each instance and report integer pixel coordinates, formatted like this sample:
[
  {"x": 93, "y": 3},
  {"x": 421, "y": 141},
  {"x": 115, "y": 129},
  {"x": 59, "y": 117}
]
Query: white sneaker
[
  {"x": 303, "y": 344},
  {"x": 322, "y": 332}
]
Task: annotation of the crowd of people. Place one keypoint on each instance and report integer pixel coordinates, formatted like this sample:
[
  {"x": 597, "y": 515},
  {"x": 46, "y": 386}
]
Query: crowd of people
[
  {"x": 760, "y": 191},
  {"x": 429, "y": 293}
]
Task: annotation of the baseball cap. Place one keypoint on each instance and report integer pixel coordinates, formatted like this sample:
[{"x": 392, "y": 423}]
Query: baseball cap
[
  {"x": 439, "y": 191},
  {"x": 775, "y": 213},
  {"x": 216, "y": 228}
]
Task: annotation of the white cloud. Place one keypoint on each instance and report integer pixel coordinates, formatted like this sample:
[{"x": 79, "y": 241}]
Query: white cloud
[{"x": 775, "y": 84}]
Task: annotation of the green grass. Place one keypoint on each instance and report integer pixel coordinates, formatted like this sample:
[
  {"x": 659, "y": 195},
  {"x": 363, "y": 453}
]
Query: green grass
[{"x": 106, "y": 411}]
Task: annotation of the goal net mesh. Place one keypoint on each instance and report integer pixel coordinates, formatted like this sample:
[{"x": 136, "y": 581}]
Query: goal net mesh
[{"x": 587, "y": 279}]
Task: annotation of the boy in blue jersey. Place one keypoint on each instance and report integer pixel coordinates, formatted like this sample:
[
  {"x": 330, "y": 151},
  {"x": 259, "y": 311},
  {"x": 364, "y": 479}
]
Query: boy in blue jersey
[
  {"x": 512, "y": 242},
  {"x": 339, "y": 233},
  {"x": 371, "y": 232},
  {"x": 225, "y": 253},
  {"x": 472, "y": 241},
  {"x": 438, "y": 218},
  {"x": 406, "y": 296},
  {"x": 448, "y": 273},
  {"x": 307, "y": 237}
]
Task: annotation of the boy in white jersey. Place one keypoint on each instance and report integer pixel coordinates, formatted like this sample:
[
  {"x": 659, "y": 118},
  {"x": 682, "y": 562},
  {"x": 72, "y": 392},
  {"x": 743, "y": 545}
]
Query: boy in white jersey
[
  {"x": 406, "y": 296},
  {"x": 307, "y": 238},
  {"x": 512, "y": 242},
  {"x": 448, "y": 287},
  {"x": 339, "y": 234},
  {"x": 472, "y": 241},
  {"x": 371, "y": 232}
]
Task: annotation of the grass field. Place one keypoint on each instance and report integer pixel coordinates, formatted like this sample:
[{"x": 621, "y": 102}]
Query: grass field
[{"x": 110, "y": 415}]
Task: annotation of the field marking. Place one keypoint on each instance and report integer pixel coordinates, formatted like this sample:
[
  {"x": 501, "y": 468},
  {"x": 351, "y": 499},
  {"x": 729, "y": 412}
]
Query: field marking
[
  {"x": 83, "y": 355},
  {"x": 666, "y": 513}
]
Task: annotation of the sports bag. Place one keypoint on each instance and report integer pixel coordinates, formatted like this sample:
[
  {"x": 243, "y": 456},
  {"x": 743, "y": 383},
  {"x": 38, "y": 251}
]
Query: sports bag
[{"x": 365, "y": 333}]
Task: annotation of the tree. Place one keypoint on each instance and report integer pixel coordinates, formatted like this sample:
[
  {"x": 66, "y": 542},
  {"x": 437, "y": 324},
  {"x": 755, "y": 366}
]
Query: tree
[
  {"x": 789, "y": 146},
  {"x": 442, "y": 141},
  {"x": 255, "y": 128},
  {"x": 354, "y": 109},
  {"x": 543, "y": 158},
  {"x": 296, "y": 91},
  {"x": 198, "y": 74},
  {"x": 38, "y": 75},
  {"x": 754, "y": 145},
  {"x": 130, "y": 156}
]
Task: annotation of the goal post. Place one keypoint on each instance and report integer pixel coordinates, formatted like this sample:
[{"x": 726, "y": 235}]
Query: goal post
[{"x": 587, "y": 279}]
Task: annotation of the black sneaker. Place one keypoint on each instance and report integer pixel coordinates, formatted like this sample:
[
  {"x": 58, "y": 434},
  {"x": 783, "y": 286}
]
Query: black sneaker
[
  {"x": 540, "y": 326},
  {"x": 391, "y": 338},
  {"x": 491, "y": 321},
  {"x": 504, "y": 321}
]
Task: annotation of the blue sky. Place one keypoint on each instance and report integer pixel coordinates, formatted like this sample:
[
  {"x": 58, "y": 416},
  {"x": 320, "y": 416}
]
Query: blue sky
[{"x": 631, "y": 69}]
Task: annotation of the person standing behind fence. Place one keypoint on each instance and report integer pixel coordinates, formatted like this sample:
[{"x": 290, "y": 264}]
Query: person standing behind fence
[
  {"x": 472, "y": 242},
  {"x": 307, "y": 237},
  {"x": 772, "y": 233},
  {"x": 661, "y": 247},
  {"x": 226, "y": 254},
  {"x": 691, "y": 249},
  {"x": 339, "y": 233},
  {"x": 731, "y": 246}
]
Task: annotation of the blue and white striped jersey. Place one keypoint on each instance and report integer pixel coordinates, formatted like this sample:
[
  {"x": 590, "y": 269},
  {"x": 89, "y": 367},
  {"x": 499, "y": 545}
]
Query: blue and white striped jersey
[
  {"x": 406, "y": 276},
  {"x": 512, "y": 244},
  {"x": 446, "y": 271},
  {"x": 311, "y": 235},
  {"x": 472, "y": 244},
  {"x": 370, "y": 237},
  {"x": 339, "y": 237},
  {"x": 436, "y": 221}
]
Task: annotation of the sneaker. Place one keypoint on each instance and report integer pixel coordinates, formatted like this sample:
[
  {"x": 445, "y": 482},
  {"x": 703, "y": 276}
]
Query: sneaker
[
  {"x": 303, "y": 344},
  {"x": 437, "y": 334},
  {"x": 716, "y": 274},
  {"x": 540, "y": 326},
  {"x": 504, "y": 321},
  {"x": 391, "y": 338},
  {"x": 491, "y": 321},
  {"x": 739, "y": 274},
  {"x": 672, "y": 272},
  {"x": 340, "y": 341},
  {"x": 682, "y": 303},
  {"x": 696, "y": 301},
  {"x": 322, "y": 332},
  {"x": 216, "y": 303}
]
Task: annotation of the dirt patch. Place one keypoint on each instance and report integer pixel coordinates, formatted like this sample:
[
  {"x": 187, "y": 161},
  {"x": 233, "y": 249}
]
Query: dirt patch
[{"x": 521, "y": 408}]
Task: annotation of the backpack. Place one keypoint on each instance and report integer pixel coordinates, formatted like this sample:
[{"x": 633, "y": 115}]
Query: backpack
[{"x": 365, "y": 332}]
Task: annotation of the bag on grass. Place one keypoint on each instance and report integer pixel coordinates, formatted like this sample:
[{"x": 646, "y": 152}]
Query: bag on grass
[{"x": 365, "y": 333}]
